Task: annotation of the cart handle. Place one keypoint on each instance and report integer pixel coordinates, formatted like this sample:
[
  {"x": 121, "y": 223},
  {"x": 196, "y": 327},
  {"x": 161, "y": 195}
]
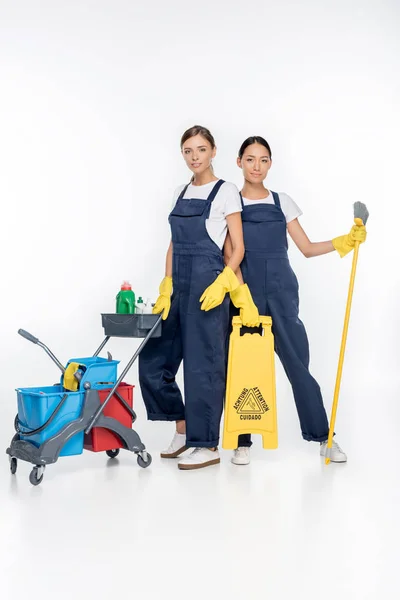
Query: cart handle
[
  {"x": 31, "y": 338},
  {"x": 121, "y": 377},
  {"x": 28, "y": 336}
]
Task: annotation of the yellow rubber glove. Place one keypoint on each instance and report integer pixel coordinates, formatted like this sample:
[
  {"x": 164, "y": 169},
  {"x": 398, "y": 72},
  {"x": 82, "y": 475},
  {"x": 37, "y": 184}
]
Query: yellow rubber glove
[
  {"x": 241, "y": 298},
  {"x": 164, "y": 299},
  {"x": 215, "y": 293},
  {"x": 345, "y": 243}
]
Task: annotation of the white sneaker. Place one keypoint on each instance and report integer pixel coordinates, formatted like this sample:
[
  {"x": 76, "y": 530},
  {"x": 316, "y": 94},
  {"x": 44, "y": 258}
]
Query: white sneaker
[
  {"x": 199, "y": 458},
  {"x": 336, "y": 453},
  {"x": 176, "y": 447},
  {"x": 241, "y": 456}
]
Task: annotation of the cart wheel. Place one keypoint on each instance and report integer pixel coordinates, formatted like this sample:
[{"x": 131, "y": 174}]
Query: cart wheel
[
  {"x": 112, "y": 453},
  {"x": 34, "y": 476},
  {"x": 13, "y": 465},
  {"x": 142, "y": 462}
]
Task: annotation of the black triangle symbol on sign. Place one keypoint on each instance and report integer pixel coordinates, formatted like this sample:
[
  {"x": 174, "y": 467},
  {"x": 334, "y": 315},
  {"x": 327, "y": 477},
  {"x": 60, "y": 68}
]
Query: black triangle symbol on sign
[{"x": 251, "y": 405}]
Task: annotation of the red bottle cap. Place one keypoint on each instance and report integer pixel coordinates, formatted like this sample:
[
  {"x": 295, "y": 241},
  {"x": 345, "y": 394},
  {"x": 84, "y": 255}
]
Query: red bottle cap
[{"x": 126, "y": 286}]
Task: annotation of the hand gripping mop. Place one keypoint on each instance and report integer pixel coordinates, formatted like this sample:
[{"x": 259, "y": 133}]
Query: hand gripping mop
[{"x": 361, "y": 215}]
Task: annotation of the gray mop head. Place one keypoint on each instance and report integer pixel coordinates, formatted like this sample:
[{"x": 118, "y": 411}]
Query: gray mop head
[{"x": 361, "y": 212}]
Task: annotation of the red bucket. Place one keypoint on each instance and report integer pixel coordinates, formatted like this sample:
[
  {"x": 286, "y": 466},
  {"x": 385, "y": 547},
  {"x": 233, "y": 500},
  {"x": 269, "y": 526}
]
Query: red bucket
[{"x": 100, "y": 439}]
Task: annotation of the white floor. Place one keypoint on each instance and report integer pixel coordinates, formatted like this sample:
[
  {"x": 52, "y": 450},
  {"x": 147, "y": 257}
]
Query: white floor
[{"x": 287, "y": 526}]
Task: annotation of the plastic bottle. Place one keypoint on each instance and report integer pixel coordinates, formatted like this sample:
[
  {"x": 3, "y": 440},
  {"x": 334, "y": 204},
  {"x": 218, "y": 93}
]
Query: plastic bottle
[
  {"x": 140, "y": 306},
  {"x": 125, "y": 300},
  {"x": 148, "y": 308}
]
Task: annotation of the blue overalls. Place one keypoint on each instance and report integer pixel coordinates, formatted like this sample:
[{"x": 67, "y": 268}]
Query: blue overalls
[
  {"x": 273, "y": 285},
  {"x": 196, "y": 336}
]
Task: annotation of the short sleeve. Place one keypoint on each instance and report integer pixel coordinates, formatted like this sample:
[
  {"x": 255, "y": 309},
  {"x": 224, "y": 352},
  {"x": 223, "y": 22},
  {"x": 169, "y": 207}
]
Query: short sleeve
[
  {"x": 289, "y": 208},
  {"x": 176, "y": 195},
  {"x": 232, "y": 199}
]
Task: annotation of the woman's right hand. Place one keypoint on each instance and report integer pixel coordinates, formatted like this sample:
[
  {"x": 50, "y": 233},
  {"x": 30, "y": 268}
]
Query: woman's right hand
[{"x": 163, "y": 303}]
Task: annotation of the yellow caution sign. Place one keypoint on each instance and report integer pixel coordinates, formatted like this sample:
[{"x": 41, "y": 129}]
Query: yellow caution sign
[{"x": 250, "y": 402}]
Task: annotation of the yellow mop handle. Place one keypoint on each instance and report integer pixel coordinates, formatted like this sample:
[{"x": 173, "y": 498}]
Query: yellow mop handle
[{"x": 342, "y": 351}]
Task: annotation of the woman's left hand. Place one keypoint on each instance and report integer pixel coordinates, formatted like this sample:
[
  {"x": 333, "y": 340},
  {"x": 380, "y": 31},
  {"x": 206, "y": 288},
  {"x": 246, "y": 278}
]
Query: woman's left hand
[
  {"x": 241, "y": 298},
  {"x": 215, "y": 293},
  {"x": 345, "y": 243}
]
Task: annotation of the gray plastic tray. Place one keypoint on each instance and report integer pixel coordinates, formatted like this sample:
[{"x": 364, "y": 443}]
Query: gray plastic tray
[{"x": 138, "y": 326}]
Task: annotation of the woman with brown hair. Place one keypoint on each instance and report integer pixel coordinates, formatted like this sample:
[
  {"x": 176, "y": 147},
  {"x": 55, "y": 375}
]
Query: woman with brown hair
[{"x": 195, "y": 308}]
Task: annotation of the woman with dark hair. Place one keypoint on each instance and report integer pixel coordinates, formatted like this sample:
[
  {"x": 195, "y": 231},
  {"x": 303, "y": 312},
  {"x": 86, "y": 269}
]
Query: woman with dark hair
[
  {"x": 195, "y": 308},
  {"x": 267, "y": 217}
]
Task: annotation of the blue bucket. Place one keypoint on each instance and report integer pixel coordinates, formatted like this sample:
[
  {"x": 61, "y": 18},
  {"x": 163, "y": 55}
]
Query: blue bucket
[
  {"x": 98, "y": 371},
  {"x": 35, "y": 407}
]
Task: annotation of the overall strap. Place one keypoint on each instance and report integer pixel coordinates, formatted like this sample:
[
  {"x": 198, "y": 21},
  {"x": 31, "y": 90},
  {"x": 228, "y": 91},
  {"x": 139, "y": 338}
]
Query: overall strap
[
  {"x": 276, "y": 199},
  {"x": 183, "y": 192},
  {"x": 215, "y": 190},
  {"x": 241, "y": 199}
]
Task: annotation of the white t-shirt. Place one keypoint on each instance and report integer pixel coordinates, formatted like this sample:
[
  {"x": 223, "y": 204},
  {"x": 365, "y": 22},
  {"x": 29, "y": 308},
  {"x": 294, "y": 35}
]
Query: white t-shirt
[
  {"x": 226, "y": 202},
  {"x": 288, "y": 206}
]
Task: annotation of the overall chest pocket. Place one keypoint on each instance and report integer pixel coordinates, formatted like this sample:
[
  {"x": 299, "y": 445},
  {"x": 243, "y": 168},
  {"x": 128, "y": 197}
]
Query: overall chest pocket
[
  {"x": 263, "y": 214},
  {"x": 189, "y": 208}
]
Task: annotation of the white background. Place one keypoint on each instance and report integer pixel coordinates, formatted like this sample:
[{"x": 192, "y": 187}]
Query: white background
[{"x": 94, "y": 98}]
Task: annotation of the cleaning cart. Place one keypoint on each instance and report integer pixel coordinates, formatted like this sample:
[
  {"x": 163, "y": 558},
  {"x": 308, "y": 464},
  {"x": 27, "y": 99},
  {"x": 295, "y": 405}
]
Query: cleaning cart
[{"x": 89, "y": 408}]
